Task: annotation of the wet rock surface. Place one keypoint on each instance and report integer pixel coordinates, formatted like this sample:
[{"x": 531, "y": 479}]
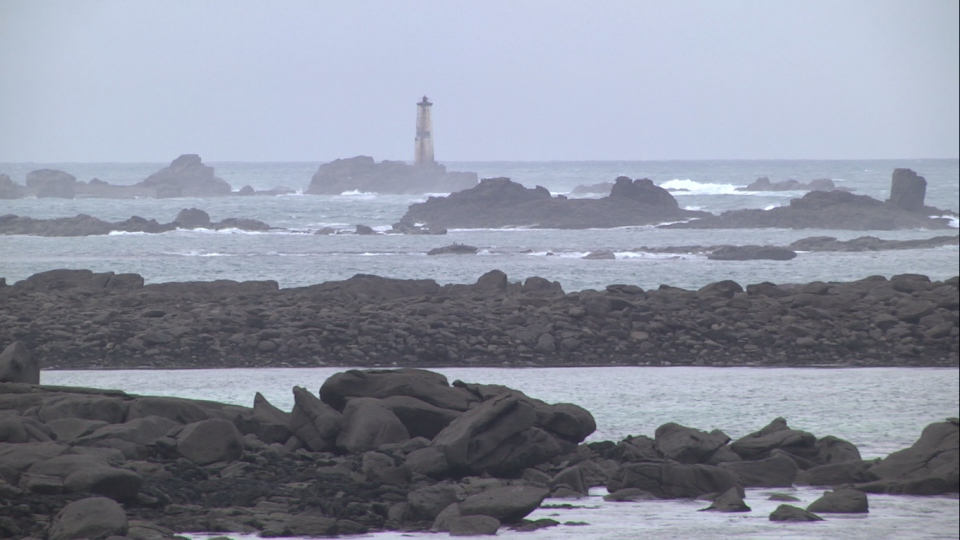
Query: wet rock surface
[
  {"x": 499, "y": 202},
  {"x": 180, "y": 465},
  {"x": 79, "y": 319}
]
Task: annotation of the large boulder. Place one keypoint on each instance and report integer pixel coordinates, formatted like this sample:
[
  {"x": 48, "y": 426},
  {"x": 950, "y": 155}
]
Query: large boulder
[
  {"x": 643, "y": 191},
  {"x": 18, "y": 365},
  {"x": 193, "y": 218},
  {"x": 87, "y": 407},
  {"x": 313, "y": 421},
  {"x": 497, "y": 436},
  {"x": 841, "y": 501},
  {"x": 508, "y": 504},
  {"x": 688, "y": 445},
  {"x": 93, "y": 517},
  {"x": 777, "y": 434},
  {"x": 928, "y": 467},
  {"x": 182, "y": 411},
  {"x": 786, "y": 512},
  {"x": 424, "y": 385},
  {"x": 671, "y": 480},
  {"x": 730, "y": 501},
  {"x": 210, "y": 441},
  {"x": 907, "y": 190},
  {"x": 368, "y": 423},
  {"x": 419, "y": 417},
  {"x": 90, "y": 473}
]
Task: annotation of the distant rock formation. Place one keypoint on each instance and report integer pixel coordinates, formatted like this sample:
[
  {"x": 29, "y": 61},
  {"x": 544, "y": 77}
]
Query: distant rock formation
[
  {"x": 86, "y": 225},
  {"x": 908, "y": 190},
  {"x": 752, "y": 253},
  {"x": 839, "y": 210},
  {"x": 363, "y": 174},
  {"x": 499, "y": 202},
  {"x": 186, "y": 177},
  {"x": 454, "y": 249},
  {"x": 820, "y": 184}
]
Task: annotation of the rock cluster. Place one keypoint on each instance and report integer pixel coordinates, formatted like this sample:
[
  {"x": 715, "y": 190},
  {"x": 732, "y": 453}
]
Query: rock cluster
[
  {"x": 391, "y": 450},
  {"x": 363, "y": 174},
  {"x": 185, "y": 177},
  {"x": 839, "y": 210},
  {"x": 86, "y": 225},
  {"x": 499, "y": 202},
  {"x": 764, "y": 184},
  {"x": 79, "y": 319}
]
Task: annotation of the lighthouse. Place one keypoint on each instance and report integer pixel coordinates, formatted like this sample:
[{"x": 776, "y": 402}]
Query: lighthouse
[{"x": 423, "y": 144}]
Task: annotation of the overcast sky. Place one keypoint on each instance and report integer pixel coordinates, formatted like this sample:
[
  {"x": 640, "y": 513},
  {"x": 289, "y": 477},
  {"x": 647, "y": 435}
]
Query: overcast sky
[{"x": 129, "y": 81}]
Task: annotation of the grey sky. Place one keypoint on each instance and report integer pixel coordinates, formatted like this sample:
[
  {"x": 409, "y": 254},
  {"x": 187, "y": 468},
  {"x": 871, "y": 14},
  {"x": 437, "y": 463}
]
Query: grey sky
[{"x": 511, "y": 80}]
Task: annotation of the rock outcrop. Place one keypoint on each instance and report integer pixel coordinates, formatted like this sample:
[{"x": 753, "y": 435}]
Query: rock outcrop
[
  {"x": 186, "y": 177},
  {"x": 499, "y": 202},
  {"x": 908, "y": 190},
  {"x": 752, "y": 253},
  {"x": 363, "y": 174},
  {"x": 85, "y": 225},
  {"x": 51, "y": 183},
  {"x": 907, "y": 320}
]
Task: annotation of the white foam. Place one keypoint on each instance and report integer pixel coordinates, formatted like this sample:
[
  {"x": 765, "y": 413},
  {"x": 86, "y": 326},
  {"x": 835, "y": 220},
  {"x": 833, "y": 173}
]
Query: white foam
[
  {"x": 692, "y": 187},
  {"x": 126, "y": 233},
  {"x": 645, "y": 255},
  {"x": 954, "y": 222},
  {"x": 772, "y": 206}
]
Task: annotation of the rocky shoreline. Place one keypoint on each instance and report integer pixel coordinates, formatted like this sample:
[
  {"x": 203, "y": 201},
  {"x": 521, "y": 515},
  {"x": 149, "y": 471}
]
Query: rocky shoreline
[
  {"x": 76, "y": 319},
  {"x": 400, "y": 450}
]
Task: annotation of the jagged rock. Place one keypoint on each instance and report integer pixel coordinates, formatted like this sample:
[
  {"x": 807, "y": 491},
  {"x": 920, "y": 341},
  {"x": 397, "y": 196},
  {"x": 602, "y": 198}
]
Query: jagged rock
[
  {"x": 313, "y": 421},
  {"x": 907, "y": 190},
  {"x": 786, "y": 512},
  {"x": 730, "y": 501},
  {"x": 363, "y": 174},
  {"x": 834, "y": 474},
  {"x": 368, "y": 423},
  {"x": 751, "y": 253},
  {"x": 841, "y": 501},
  {"x": 764, "y": 184},
  {"x": 508, "y": 504},
  {"x": 10, "y": 189},
  {"x": 498, "y": 202},
  {"x": 474, "y": 526},
  {"x": 424, "y": 385},
  {"x": 18, "y": 365},
  {"x": 192, "y": 218},
  {"x": 93, "y": 517}
]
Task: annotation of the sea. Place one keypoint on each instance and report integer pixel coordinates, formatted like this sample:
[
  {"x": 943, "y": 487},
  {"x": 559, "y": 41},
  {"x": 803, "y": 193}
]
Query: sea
[{"x": 880, "y": 410}]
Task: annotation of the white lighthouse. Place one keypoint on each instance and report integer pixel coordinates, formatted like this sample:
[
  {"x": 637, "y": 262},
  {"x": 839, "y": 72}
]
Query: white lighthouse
[{"x": 423, "y": 144}]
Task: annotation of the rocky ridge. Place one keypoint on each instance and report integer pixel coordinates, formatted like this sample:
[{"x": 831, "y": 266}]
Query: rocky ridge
[
  {"x": 764, "y": 184},
  {"x": 393, "y": 450},
  {"x": 86, "y": 225},
  {"x": 363, "y": 174},
  {"x": 77, "y": 319}
]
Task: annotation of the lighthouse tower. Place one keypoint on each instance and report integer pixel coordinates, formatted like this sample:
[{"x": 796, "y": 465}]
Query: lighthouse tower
[{"x": 423, "y": 144}]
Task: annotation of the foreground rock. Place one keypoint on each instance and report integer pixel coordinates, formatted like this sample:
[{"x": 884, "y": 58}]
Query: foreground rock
[
  {"x": 499, "y": 202},
  {"x": 77, "y": 319},
  {"x": 463, "y": 458},
  {"x": 836, "y": 210},
  {"x": 363, "y": 174},
  {"x": 85, "y": 225}
]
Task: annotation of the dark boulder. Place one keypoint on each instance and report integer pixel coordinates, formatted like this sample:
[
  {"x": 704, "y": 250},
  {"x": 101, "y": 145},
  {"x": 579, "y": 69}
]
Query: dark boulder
[
  {"x": 424, "y": 385},
  {"x": 841, "y": 501},
  {"x": 643, "y": 191},
  {"x": 210, "y": 441},
  {"x": 688, "y": 445},
  {"x": 474, "y": 526},
  {"x": 193, "y": 218},
  {"x": 928, "y": 467},
  {"x": 313, "y": 421},
  {"x": 454, "y": 249},
  {"x": 420, "y": 418},
  {"x": 368, "y": 423},
  {"x": 186, "y": 176},
  {"x": 18, "y": 365},
  {"x": 51, "y": 183},
  {"x": 786, "y": 512}
]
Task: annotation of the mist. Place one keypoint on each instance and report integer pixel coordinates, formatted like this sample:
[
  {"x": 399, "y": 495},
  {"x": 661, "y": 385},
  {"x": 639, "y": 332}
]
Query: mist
[{"x": 114, "y": 81}]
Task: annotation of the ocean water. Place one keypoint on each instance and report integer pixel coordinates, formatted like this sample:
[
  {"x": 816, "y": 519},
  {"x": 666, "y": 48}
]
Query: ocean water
[
  {"x": 296, "y": 257},
  {"x": 881, "y": 410}
]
